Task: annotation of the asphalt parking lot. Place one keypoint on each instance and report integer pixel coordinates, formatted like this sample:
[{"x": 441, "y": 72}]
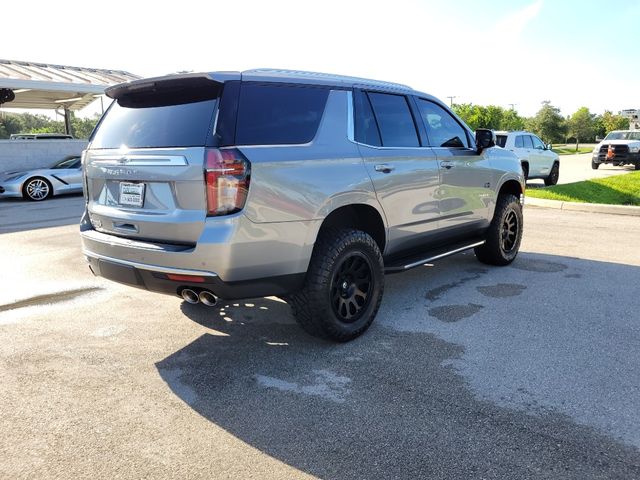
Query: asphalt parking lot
[{"x": 527, "y": 371}]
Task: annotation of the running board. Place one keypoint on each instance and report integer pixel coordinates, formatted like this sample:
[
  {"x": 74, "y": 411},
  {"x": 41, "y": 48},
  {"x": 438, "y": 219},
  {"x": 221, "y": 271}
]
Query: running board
[{"x": 425, "y": 258}]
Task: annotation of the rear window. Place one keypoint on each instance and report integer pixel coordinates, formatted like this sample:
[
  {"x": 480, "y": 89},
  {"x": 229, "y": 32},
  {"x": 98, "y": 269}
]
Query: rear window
[
  {"x": 501, "y": 140},
  {"x": 182, "y": 125},
  {"x": 279, "y": 114}
]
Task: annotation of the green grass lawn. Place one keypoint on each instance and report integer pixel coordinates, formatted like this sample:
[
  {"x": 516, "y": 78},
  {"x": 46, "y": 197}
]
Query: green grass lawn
[
  {"x": 617, "y": 190},
  {"x": 571, "y": 150}
]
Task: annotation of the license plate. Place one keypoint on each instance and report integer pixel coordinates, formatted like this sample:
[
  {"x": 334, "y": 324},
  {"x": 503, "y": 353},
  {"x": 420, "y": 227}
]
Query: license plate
[{"x": 131, "y": 194}]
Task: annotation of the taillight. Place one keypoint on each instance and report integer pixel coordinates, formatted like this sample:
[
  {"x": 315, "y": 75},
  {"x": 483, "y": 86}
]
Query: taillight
[{"x": 227, "y": 174}]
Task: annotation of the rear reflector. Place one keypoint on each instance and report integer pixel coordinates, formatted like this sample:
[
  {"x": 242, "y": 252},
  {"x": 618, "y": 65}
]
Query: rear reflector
[
  {"x": 186, "y": 278},
  {"x": 227, "y": 175}
]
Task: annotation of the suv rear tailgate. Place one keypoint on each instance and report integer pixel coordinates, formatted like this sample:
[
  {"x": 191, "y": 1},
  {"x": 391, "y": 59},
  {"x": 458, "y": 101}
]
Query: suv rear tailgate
[
  {"x": 144, "y": 167},
  {"x": 170, "y": 186}
]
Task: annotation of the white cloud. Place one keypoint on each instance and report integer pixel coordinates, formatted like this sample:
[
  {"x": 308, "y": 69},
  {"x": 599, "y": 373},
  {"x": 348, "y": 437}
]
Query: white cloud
[{"x": 514, "y": 23}]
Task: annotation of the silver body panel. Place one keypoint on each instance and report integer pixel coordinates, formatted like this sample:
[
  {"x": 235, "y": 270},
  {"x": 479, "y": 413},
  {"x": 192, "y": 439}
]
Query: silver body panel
[{"x": 293, "y": 189}]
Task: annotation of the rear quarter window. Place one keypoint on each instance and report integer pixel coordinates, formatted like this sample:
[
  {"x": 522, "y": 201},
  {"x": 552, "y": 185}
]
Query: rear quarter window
[
  {"x": 394, "y": 119},
  {"x": 501, "y": 140},
  {"x": 279, "y": 114}
]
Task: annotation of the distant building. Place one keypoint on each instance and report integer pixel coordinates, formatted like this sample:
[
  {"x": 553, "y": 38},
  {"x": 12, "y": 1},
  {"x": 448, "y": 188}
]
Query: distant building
[{"x": 634, "y": 118}]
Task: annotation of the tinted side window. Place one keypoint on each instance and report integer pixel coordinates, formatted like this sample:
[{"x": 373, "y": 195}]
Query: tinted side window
[
  {"x": 519, "y": 142},
  {"x": 394, "y": 120},
  {"x": 279, "y": 114},
  {"x": 537, "y": 143},
  {"x": 501, "y": 140},
  {"x": 527, "y": 141},
  {"x": 442, "y": 129},
  {"x": 366, "y": 128}
]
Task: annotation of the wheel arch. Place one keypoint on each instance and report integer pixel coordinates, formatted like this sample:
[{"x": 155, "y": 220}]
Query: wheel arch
[
  {"x": 361, "y": 216},
  {"x": 511, "y": 186}
]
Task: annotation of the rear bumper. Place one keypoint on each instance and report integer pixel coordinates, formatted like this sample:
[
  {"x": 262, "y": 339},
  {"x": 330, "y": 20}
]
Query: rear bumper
[
  {"x": 236, "y": 258},
  {"x": 154, "y": 278}
]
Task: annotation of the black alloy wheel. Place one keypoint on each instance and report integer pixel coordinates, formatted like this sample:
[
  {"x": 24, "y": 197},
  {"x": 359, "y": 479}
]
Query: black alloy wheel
[{"x": 350, "y": 287}]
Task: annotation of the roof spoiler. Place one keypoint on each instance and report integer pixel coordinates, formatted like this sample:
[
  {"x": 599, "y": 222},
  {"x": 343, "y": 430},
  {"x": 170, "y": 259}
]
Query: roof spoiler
[{"x": 171, "y": 89}]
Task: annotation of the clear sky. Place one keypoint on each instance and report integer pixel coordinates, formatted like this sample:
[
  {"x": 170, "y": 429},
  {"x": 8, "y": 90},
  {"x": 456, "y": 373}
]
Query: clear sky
[{"x": 573, "y": 53}]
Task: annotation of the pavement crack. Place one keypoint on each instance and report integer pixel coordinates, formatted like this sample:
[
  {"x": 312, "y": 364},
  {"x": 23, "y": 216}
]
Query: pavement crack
[{"x": 49, "y": 298}]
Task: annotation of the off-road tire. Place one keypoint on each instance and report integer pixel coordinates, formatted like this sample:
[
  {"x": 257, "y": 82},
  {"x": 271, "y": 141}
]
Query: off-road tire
[
  {"x": 525, "y": 171},
  {"x": 595, "y": 165},
  {"x": 501, "y": 247},
  {"x": 554, "y": 174},
  {"x": 319, "y": 307}
]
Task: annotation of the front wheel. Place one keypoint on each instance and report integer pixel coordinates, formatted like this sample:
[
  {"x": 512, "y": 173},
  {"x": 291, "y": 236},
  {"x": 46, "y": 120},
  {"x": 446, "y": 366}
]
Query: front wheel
[
  {"x": 637, "y": 166},
  {"x": 504, "y": 235},
  {"x": 554, "y": 174},
  {"x": 594, "y": 165},
  {"x": 343, "y": 288},
  {"x": 37, "y": 189}
]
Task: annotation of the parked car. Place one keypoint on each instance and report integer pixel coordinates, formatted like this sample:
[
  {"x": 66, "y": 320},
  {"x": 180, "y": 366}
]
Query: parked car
[
  {"x": 538, "y": 160},
  {"x": 64, "y": 176},
  {"x": 302, "y": 185},
  {"x": 620, "y": 147}
]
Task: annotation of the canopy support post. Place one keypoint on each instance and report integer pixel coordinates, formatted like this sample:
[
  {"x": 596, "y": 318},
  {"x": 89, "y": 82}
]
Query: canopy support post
[{"x": 67, "y": 121}]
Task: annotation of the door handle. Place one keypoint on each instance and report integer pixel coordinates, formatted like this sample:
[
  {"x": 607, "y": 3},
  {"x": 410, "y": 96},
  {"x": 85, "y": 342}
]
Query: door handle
[
  {"x": 446, "y": 164},
  {"x": 384, "y": 168}
]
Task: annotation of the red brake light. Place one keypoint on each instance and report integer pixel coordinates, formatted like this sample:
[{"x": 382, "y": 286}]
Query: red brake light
[
  {"x": 227, "y": 174},
  {"x": 186, "y": 278}
]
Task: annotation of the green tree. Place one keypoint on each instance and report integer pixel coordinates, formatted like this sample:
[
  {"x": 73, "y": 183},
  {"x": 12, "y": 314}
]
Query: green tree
[
  {"x": 512, "y": 121},
  {"x": 82, "y": 127},
  {"x": 491, "y": 116},
  {"x": 469, "y": 113},
  {"x": 548, "y": 124},
  {"x": 11, "y": 123},
  {"x": 614, "y": 122},
  {"x": 581, "y": 126}
]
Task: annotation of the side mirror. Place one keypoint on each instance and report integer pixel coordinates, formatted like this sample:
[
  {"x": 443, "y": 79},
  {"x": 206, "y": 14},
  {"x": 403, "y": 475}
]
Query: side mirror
[
  {"x": 485, "y": 138},
  {"x": 548, "y": 146}
]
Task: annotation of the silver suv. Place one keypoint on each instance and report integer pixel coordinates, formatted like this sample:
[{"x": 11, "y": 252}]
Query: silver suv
[{"x": 303, "y": 185}]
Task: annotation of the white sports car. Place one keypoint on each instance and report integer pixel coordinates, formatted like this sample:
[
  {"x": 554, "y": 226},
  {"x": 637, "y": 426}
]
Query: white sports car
[{"x": 64, "y": 176}]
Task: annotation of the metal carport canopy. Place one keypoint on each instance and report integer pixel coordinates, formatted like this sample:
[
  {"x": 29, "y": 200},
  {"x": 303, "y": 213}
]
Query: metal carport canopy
[{"x": 42, "y": 85}]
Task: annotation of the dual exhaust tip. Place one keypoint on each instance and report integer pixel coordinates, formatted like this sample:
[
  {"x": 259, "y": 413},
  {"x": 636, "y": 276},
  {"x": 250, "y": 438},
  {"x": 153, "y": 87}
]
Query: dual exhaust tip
[{"x": 205, "y": 297}]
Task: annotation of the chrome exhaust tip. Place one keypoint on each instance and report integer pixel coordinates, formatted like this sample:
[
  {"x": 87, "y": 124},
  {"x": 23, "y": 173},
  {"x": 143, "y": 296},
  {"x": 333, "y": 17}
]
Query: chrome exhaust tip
[
  {"x": 189, "y": 296},
  {"x": 208, "y": 298}
]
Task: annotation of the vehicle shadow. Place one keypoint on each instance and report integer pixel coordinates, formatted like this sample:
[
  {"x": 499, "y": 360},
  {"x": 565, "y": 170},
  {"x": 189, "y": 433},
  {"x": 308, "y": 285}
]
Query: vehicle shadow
[
  {"x": 18, "y": 215},
  {"x": 393, "y": 403}
]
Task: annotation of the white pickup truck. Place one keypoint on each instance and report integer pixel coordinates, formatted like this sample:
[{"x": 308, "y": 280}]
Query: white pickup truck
[{"x": 620, "y": 147}]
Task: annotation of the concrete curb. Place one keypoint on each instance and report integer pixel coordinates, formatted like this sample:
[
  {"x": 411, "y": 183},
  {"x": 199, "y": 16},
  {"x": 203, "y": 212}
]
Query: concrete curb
[{"x": 583, "y": 207}]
